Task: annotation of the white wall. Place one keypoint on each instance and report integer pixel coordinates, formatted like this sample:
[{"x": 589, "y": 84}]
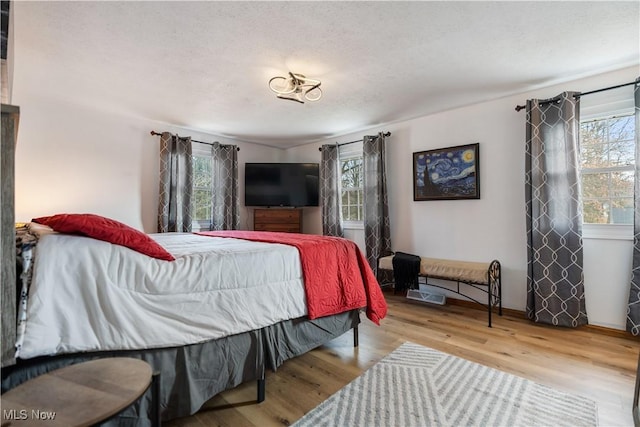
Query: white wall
[
  {"x": 492, "y": 227},
  {"x": 73, "y": 158}
]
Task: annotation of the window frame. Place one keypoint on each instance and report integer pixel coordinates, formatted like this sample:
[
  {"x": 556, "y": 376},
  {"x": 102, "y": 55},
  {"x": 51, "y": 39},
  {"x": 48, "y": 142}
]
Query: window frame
[
  {"x": 199, "y": 150},
  {"x": 349, "y": 152},
  {"x": 610, "y": 105}
]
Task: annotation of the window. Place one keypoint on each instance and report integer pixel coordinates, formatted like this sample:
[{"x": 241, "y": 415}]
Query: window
[
  {"x": 202, "y": 190},
  {"x": 351, "y": 197},
  {"x": 351, "y": 186},
  {"x": 607, "y": 151}
]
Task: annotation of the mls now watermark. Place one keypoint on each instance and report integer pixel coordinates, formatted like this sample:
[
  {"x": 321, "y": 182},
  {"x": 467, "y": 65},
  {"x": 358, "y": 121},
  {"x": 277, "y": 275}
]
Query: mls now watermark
[{"x": 23, "y": 414}]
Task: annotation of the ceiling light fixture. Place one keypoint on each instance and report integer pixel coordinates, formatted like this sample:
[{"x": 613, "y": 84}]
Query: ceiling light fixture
[{"x": 296, "y": 88}]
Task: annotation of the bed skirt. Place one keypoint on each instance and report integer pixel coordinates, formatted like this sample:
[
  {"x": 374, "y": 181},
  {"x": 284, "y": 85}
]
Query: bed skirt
[{"x": 193, "y": 374}]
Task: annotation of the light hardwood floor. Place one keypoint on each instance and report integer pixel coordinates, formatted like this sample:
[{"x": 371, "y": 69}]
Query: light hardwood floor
[{"x": 596, "y": 365}]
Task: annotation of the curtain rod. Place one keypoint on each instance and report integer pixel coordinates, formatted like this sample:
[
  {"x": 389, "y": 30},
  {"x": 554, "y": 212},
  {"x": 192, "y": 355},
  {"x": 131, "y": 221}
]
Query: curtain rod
[
  {"x": 578, "y": 95},
  {"x": 353, "y": 142},
  {"x": 153, "y": 132}
]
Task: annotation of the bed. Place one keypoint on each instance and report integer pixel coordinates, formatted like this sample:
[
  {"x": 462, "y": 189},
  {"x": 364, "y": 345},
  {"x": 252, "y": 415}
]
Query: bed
[{"x": 219, "y": 309}]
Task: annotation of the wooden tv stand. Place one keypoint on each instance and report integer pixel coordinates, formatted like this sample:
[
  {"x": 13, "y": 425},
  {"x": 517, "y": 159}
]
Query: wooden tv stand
[{"x": 278, "y": 219}]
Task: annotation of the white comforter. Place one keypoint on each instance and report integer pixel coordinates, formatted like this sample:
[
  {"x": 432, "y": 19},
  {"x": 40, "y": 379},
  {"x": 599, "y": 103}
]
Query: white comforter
[{"x": 89, "y": 295}]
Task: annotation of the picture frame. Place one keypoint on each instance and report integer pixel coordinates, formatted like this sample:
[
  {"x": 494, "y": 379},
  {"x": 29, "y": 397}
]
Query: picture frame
[{"x": 450, "y": 173}]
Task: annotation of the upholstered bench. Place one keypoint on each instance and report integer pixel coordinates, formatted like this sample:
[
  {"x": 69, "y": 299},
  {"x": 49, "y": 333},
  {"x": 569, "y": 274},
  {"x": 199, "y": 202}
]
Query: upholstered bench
[{"x": 485, "y": 276}]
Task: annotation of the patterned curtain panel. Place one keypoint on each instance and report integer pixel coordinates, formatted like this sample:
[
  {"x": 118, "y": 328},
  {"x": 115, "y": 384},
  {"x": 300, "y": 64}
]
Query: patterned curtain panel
[
  {"x": 176, "y": 180},
  {"x": 633, "y": 310},
  {"x": 555, "y": 285},
  {"x": 330, "y": 191},
  {"x": 225, "y": 201},
  {"x": 377, "y": 233}
]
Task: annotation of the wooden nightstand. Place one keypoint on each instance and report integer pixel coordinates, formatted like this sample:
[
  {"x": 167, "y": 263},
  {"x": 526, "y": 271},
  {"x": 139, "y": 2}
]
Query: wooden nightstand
[
  {"x": 287, "y": 220},
  {"x": 81, "y": 395}
]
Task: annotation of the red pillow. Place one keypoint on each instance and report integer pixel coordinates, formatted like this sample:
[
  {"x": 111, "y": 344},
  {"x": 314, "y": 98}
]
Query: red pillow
[{"x": 106, "y": 229}]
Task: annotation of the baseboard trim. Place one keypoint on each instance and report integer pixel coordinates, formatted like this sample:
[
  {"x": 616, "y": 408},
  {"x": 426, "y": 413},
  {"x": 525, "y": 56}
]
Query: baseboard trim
[
  {"x": 470, "y": 304},
  {"x": 522, "y": 315},
  {"x": 610, "y": 331}
]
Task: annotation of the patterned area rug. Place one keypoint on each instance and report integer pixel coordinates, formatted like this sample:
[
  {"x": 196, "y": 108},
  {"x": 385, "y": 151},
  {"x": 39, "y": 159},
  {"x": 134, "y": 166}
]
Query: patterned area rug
[{"x": 419, "y": 386}]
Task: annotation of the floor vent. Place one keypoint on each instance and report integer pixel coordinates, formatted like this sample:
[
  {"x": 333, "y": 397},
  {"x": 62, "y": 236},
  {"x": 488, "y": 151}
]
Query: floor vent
[{"x": 424, "y": 296}]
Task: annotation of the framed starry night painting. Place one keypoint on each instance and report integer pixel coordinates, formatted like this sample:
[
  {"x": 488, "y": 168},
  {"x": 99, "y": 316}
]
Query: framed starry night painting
[{"x": 447, "y": 173}]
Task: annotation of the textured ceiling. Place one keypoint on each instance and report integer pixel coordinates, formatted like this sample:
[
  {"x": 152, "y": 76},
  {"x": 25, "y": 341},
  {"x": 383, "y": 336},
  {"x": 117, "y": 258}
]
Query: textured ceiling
[{"x": 205, "y": 65}]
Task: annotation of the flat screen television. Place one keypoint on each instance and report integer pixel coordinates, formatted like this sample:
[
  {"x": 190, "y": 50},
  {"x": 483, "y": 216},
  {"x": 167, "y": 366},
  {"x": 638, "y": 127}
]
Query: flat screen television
[{"x": 281, "y": 184}]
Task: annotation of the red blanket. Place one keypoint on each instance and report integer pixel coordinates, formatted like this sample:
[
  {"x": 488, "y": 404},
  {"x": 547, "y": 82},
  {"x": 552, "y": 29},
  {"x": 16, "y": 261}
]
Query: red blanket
[{"x": 336, "y": 274}]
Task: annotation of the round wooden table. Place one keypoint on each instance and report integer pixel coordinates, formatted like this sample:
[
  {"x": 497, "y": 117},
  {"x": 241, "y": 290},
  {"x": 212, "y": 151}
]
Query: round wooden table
[{"x": 77, "y": 395}]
